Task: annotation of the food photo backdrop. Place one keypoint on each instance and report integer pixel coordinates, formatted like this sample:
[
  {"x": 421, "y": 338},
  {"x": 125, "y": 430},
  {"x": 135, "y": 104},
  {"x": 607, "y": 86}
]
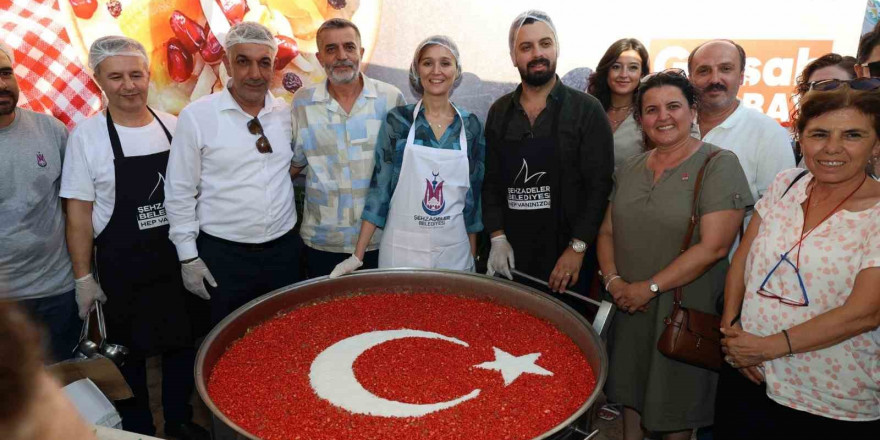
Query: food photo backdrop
[{"x": 183, "y": 37}]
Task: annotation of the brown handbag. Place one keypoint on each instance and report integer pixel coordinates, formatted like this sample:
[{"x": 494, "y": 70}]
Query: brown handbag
[{"x": 692, "y": 336}]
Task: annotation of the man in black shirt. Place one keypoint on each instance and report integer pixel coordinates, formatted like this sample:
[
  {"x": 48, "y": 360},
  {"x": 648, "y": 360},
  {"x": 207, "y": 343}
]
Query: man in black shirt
[{"x": 548, "y": 166}]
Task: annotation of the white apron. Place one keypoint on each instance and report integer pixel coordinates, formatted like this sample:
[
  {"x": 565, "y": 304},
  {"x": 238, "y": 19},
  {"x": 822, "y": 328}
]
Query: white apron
[{"x": 425, "y": 226}]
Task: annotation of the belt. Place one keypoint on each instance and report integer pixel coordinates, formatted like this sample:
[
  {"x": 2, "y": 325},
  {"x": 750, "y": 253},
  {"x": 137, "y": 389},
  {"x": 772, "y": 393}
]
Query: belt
[{"x": 247, "y": 246}]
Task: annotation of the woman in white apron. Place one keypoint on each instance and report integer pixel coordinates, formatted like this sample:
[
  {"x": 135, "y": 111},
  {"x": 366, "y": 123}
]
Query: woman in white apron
[{"x": 429, "y": 164}]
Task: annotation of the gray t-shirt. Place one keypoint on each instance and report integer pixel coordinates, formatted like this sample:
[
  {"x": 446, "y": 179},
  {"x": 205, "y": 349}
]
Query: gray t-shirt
[{"x": 33, "y": 251}]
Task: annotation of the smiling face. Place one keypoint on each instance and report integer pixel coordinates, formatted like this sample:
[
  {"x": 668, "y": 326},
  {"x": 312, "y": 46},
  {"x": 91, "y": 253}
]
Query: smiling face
[
  {"x": 534, "y": 53},
  {"x": 716, "y": 72},
  {"x": 665, "y": 115},
  {"x": 624, "y": 75},
  {"x": 125, "y": 80},
  {"x": 340, "y": 52},
  {"x": 838, "y": 144},
  {"x": 437, "y": 70},
  {"x": 250, "y": 67},
  {"x": 8, "y": 86}
]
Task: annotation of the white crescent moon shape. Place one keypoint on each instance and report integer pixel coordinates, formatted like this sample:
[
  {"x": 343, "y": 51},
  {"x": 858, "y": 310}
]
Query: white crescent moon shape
[{"x": 332, "y": 376}]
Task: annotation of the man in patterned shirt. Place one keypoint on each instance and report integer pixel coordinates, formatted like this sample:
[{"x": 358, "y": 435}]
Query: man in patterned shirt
[{"x": 334, "y": 127}]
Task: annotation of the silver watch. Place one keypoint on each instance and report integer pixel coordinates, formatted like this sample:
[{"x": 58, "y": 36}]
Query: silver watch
[
  {"x": 655, "y": 288},
  {"x": 577, "y": 245}
]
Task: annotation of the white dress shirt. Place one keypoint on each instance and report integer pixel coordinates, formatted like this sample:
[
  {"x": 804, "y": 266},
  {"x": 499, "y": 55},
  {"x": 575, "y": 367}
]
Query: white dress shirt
[
  {"x": 89, "y": 173},
  {"x": 218, "y": 182},
  {"x": 761, "y": 144}
]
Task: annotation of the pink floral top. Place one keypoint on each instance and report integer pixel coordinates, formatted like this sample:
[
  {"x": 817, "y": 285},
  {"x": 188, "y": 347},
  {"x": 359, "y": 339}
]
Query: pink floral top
[{"x": 841, "y": 381}]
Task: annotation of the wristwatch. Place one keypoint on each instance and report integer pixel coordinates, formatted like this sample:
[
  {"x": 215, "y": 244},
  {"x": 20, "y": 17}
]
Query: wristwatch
[
  {"x": 577, "y": 245},
  {"x": 655, "y": 288}
]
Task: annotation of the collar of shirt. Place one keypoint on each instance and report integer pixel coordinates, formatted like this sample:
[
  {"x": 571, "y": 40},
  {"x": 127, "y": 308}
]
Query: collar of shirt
[
  {"x": 728, "y": 122},
  {"x": 322, "y": 94},
  {"x": 554, "y": 96},
  {"x": 228, "y": 102}
]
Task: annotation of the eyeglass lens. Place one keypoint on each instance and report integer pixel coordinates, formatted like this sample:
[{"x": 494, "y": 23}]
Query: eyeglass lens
[
  {"x": 784, "y": 283},
  {"x": 263, "y": 145}
]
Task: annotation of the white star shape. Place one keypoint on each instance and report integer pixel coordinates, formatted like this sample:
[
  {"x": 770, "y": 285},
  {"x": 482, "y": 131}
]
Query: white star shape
[{"x": 512, "y": 366}]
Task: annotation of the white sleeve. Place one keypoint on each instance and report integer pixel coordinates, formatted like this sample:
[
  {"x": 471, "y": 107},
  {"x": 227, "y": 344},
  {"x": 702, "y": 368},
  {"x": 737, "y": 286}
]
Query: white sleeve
[
  {"x": 182, "y": 185},
  {"x": 77, "y": 181},
  {"x": 776, "y": 154},
  {"x": 299, "y": 159}
]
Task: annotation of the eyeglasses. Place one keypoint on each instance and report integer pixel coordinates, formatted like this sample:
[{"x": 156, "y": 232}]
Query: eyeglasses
[
  {"x": 263, "y": 145},
  {"x": 762, "y": 290},
  {"x": 668, "y": 72},
  {"x": 861, "y": 84},
  {"x": 873, "y": 68}
]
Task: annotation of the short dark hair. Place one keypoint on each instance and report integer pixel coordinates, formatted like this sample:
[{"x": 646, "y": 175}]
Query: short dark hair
[
  {"x": 739, "y": 50},
  {"x": 867, "y": 44},
  {"x": 599, "y": 79},
  {"x": 665, "y": 79},
  {"x": 337, "y": 23}
]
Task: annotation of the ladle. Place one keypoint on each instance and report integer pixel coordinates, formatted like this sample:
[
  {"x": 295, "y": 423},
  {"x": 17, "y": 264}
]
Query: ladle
[{"x": 114, "y": 352}]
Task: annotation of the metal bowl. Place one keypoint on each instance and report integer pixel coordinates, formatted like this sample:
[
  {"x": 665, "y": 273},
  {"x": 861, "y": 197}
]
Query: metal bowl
[{"x": 402, "y": 281}]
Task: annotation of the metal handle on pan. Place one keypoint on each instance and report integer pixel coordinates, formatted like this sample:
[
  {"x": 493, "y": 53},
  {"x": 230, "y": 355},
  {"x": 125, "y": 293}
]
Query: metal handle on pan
[{"x": 600, "y": 322}]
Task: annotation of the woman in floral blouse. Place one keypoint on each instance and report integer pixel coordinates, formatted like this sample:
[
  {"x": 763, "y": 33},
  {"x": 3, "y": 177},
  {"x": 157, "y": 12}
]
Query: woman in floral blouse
[{"x": 802, "y": 298}]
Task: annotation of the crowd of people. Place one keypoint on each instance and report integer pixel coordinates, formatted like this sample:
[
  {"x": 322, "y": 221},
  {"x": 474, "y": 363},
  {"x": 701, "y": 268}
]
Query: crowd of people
[{"x": 175, "y": 222}]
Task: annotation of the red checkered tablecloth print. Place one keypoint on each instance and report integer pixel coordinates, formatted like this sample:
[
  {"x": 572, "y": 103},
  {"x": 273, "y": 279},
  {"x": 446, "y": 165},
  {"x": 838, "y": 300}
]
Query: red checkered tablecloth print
[{"x": 50, "y": 76}]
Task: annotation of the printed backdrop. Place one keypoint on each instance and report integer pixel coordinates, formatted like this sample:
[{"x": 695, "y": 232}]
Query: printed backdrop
[{"x": 51, "y": 39}]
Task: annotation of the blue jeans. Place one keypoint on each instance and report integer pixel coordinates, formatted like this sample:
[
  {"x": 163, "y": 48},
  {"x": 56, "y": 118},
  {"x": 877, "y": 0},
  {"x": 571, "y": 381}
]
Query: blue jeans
[{"x": 59, "y": 315}]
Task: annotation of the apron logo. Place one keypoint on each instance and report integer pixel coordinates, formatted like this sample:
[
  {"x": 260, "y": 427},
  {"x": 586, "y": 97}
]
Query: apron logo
[
  {"x": 41, "y": 160},
  {"x": 152, "y": 215},
  {"x": 528, "y": 196},
  {"x": 433, "y": 203}
]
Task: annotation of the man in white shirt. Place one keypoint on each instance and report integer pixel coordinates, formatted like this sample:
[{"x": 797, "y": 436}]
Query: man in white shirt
[
  {"x": 34, "y": 265},
  {"x": 112, "y": 182},
  {"x": 717, "y": 69},
  {"x": 335, "y": 125},
  {"x": 228, "y": 189}
]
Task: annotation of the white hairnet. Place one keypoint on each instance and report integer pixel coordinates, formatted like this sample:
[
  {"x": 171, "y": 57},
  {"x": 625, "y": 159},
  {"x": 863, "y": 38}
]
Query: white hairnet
[
  {"x": 250, "y": 32},
  {"x": 530, "y": 17},
  {"x": 435, "y": 40},
  {"x": 8, "y": 51},
  {"x": 114, "y": 45}
]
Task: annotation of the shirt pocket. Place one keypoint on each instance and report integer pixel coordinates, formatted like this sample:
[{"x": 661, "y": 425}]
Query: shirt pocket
[{"x": 45, "y": 169}]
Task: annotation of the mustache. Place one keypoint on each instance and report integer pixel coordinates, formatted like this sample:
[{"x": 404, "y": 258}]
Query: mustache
[
  {"x": 344, "y": 63},
  {"x": 6, "y": 93},
  {"x": 538, "y": 62},
  {"x": 715, "y": 86}
]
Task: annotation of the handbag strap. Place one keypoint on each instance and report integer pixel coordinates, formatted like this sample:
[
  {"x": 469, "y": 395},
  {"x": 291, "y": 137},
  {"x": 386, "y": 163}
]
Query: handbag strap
[{"x": 692, "y": 225}]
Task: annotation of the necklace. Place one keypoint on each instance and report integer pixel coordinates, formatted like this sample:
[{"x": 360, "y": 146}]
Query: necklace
[
  {"x": 623, "y": 107},
  {"x": 804, "y": 233},
  {"x": 616, "y": 122}
]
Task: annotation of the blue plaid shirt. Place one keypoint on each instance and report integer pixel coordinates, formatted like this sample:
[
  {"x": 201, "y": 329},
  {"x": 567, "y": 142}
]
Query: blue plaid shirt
[{"x": 389, "y": 158}]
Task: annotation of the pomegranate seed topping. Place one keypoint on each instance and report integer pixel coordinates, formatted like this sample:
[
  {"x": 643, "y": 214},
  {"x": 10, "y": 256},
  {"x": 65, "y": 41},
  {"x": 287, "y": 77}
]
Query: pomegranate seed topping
[
  {"x": 234, "y": 10},
  {"x": 84, "y": 8},
  {"x": 291, "y": 82},
  {"x": 336, "y": 4},
  {"x": 212, "y": 51},
  {"x": 180, "y": 61},
  {"x": 262, "y": 382},
  {"x": 114, "y": 7},
  {"x": 287, "y": 51},
  {"x": 187, "y": 31}
]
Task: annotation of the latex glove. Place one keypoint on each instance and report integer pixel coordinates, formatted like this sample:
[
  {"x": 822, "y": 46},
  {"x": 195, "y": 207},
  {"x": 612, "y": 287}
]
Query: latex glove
[
  {"x": 194, "y": 274},
  {"x": 346, "y": 267},
  {"x": 87, "y": 292},
  {"x": 500, "y": 257}
]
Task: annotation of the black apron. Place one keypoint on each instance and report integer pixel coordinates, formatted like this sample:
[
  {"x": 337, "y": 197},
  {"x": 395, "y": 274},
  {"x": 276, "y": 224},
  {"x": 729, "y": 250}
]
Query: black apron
[
  {"x": 136, "y": 263},
  {"x": 531, "y": 173}
]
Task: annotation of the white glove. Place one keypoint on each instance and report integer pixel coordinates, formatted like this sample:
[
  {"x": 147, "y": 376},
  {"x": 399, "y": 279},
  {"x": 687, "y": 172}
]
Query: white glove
[
  {"x": 500, "y": 257},
  {"x": 194, "y": 273},
  {"x": 346, "y": 267},
  {"x": 87, "y": 292}
]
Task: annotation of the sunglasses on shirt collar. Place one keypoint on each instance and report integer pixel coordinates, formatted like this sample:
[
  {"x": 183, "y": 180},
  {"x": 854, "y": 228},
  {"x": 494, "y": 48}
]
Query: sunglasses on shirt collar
[
  {"x": 861, "y": 84},
  {"x": 263, "y": 145}
]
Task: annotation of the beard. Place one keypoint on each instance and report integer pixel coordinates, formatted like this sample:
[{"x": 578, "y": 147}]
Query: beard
[
  {"x": 8, "y": 107},
  {"x": 342, "y": 78},
  {"x": 541, "y": 78}
]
